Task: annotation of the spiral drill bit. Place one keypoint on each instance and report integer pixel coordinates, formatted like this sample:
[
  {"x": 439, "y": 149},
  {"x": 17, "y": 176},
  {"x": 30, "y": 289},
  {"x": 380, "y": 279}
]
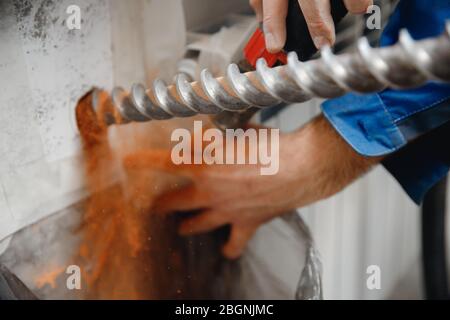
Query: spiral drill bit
[{"x": 407, "y": 64}]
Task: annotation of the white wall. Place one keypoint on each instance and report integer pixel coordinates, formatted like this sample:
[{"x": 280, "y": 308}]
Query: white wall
[
  {"x": 43, "y": 72},
  {"x": 45, "y": 68}
]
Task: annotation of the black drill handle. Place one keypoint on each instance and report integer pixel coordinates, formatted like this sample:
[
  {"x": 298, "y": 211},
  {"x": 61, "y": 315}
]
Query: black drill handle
[{"x": 298, "y": 36}]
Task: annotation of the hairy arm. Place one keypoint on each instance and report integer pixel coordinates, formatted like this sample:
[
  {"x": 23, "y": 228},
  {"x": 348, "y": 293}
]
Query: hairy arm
[
  {"x": 314, "y": 163},
  {"x": 331, "y": 162}
]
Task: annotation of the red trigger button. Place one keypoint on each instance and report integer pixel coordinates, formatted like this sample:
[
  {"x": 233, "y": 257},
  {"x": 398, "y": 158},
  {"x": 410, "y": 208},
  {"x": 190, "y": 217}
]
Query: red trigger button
[{"x": 256, "y": 48}]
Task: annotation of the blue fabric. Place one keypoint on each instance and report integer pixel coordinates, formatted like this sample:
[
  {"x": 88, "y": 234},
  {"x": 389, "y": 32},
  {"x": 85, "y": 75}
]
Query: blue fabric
[
  {"x": 423, "y": 163},
  {"x": 383, "y": 123}
]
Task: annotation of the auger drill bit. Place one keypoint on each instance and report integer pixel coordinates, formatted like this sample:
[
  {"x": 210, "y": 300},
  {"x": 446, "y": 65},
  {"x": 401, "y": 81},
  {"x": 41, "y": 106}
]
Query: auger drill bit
[{"x": 407, "y": 64}]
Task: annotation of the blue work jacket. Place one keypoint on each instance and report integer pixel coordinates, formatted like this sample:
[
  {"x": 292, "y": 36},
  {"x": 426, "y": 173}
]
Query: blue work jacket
[{"x": 410, "y": 127}]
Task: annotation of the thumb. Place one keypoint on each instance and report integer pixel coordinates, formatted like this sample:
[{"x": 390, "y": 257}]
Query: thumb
[{"x": 239, "y": 237}]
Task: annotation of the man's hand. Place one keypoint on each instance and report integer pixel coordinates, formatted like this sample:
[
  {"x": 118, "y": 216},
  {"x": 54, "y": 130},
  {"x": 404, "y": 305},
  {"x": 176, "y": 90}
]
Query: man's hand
[
  {"x": 317, "y": 15},
  {"x": 314, "y": 163}
]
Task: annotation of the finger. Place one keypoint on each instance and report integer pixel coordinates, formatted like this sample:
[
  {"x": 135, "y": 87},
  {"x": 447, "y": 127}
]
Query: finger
[
  {"x": 357, "y": 6},
  {"x": 317, "y": 14},
  {"x": 258, "y": 8},
  {"x": 158, "y": 159},
  {"x": 237, "y": 242},
  {"x": 274, "y": 18},
  {"x": 204, "y": 222},
  {"x": 188, "y": 198}
]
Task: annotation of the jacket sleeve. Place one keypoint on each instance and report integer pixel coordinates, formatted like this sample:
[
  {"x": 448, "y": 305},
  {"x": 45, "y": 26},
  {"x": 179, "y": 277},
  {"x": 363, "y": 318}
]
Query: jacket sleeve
[{"x": 402, "y": 124}]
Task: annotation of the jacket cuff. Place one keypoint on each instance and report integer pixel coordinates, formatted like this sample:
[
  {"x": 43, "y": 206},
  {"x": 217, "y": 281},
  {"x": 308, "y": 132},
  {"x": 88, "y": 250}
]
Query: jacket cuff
[{"x": 364, "y": 123}]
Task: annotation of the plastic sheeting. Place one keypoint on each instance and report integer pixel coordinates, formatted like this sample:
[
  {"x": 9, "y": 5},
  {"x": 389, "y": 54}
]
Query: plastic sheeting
[{"x": 280, "y": 262}]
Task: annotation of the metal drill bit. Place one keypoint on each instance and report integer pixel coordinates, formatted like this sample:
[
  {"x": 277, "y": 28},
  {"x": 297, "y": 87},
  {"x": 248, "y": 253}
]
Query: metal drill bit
[{"x": 407, "y": 64}]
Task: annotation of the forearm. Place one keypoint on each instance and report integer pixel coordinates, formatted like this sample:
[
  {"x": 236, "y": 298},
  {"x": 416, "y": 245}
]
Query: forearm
[{"x": 327, "y": 164}]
